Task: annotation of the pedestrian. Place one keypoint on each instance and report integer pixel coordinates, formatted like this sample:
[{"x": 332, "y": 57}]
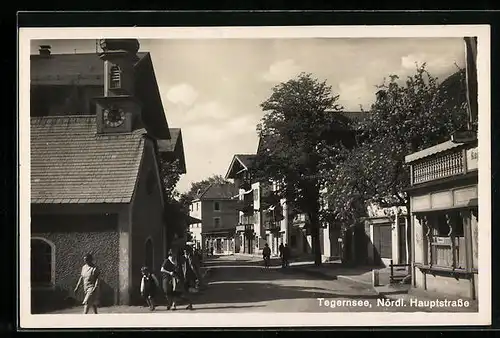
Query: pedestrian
[
  {"x": 266, "y": 255},
  {"x": 149, "y": 285},
  {"x": 212, "y": 251},
  {"x": 174, "y": 285},
  {"x": 189, "y": 274},
  {"x": 281, "y": 247},
  {"x": 89, "y": 276},
  {"x": 197, "y": 267},
  {"x": 286, "y": 256}
]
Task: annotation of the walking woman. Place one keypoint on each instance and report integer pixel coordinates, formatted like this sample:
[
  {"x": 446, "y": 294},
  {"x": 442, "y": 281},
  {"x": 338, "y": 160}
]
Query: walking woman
[
  {"x": 90, "y": 278},
  {"x": 174, "y": 286}
]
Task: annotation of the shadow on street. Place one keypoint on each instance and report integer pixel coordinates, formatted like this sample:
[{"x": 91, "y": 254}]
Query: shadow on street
[{"x": 245, "y": 292}]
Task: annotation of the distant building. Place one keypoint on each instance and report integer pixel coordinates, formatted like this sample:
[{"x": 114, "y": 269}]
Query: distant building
[
  {"x": 95, "y": 179},
  {"x": 216, "y": 208}
]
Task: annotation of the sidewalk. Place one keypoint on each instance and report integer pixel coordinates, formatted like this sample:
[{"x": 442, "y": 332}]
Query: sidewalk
[{"x": 335, "y": 270}]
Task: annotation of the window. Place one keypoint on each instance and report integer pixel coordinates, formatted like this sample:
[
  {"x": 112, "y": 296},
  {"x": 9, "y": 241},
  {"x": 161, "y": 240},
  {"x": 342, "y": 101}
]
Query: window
[
  {"x": 255, "y": 194},
  {"x": 42, "y": 263},
  {"x": 216, "y": 206},
  {"x": 446, "y": 239},
  {"x": 115, "y": 75},
  {"x": 216, "y": 222},
  {"x": 197, "y": 206}
]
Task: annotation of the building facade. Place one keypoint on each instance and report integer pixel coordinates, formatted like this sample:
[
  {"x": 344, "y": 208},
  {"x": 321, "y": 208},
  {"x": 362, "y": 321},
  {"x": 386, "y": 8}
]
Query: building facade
[
  {"x": 444, "y": 218},
  {"x": 386, "y": 230},
  {"x": 216, "y": 208},
  {"x": 95, "y": 175}
]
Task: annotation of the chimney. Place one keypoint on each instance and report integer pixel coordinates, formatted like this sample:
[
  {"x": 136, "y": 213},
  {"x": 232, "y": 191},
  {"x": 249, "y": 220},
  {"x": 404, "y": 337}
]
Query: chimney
[{"x": 44, "y": 50}]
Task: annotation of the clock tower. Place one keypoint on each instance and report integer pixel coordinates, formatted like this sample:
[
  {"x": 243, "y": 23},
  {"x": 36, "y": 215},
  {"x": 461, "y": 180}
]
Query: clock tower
[{"x": 118, "y": 111}]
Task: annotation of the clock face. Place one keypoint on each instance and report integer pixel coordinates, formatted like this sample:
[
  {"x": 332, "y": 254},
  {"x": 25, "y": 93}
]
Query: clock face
[{"x": 114, "y": 117}]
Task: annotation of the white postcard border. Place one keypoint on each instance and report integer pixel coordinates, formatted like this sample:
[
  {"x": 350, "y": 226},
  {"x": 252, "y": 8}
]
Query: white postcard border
[{"x": 178, "y": 320}]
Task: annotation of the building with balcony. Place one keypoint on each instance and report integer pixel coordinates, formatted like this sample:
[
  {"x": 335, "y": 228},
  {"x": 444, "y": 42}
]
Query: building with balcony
[
  {"x": 444, "y": 218},
  {"x": 249, "y": 226},
  {"x": 216, "y": 207}
]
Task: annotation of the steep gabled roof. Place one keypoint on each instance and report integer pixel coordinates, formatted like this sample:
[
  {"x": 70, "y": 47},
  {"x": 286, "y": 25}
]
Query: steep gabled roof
[
  {"x": 88, "y": 69},
  {"x": 356, "y": 116},
  {"x": 219, "y": 191},
  {"x": 240, "y": 162},
  {"x": 174, "y": 147},
  {"x": 68, "y": 69},
  {"x": 70, "y": 163}
]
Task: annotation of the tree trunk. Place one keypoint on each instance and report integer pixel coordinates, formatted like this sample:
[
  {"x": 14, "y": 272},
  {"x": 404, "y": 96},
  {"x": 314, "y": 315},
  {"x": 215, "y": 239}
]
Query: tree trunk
[{"x": 316, "y": 240}]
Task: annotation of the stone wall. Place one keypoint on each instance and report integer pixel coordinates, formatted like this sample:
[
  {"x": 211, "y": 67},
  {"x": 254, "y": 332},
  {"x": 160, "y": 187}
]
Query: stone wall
[{"x": 73, "y": 236}]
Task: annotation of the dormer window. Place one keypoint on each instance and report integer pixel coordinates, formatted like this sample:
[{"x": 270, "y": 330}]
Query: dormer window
[{"x": 115, "y": 77}]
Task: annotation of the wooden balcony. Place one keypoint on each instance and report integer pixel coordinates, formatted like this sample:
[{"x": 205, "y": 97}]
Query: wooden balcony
[{"x": 442, "y": 161}]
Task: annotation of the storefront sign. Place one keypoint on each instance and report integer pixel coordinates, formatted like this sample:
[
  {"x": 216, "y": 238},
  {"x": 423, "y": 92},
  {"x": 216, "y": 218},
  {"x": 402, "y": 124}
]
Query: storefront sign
[{"x": 472, "y": 159}]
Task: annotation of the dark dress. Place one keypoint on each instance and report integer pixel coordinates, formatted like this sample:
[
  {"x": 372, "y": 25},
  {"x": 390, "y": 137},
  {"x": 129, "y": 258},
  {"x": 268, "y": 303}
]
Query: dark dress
[
  {"x": 171, "y": 284},
  {"x": 149, "y": 286}
]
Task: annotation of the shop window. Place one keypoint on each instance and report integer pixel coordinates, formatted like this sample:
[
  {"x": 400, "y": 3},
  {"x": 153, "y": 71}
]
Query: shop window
[
  {"x": 446, "y": 240},
  {"x": 42, "y": 263}
]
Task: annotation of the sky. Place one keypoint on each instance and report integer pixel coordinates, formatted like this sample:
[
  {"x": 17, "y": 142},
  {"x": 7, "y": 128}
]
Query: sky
[{"x": 212, "y": 88}]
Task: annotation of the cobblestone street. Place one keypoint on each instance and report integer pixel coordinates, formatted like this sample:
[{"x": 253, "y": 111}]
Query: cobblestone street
[{"x": 241, "y": 284}]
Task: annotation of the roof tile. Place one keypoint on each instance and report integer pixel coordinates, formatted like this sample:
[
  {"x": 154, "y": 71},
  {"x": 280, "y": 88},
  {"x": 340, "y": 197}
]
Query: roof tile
[{"x": 70, "y": 163}]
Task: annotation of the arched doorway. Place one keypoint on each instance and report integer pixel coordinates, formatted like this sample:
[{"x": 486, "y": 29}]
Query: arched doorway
[
  {"x": 149, "y": 254},
  {"x": 42, "y": 262}
]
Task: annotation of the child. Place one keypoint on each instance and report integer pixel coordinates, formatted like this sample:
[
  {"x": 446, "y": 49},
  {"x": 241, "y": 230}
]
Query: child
[{"x": 149, "y": 284}]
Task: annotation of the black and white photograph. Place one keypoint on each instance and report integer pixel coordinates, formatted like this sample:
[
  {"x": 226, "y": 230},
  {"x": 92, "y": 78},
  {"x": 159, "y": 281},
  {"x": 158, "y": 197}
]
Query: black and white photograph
[{"x": 258, "y": 176}]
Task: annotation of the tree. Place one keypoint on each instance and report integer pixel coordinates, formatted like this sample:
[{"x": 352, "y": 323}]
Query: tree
[
  {"x": 300, "y": 134},
  {"x": 199, "y": 187},
  {"x": 406, "y": 117},
  {"x": 170, "y": 173}
]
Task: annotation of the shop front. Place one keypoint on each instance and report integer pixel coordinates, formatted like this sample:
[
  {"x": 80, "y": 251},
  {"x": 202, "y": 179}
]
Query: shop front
[{"x": 444, "y": 216}]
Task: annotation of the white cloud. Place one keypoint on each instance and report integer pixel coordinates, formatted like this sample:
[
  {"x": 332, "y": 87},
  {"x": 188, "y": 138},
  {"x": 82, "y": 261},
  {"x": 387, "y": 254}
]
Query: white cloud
[
  {"x": 211, "y": 110},
  {"x": 354, "y": 93},
  {"x": 434, "y": 63},
  {"x": 182, "y": 94},
  {"x": 281, "y": 71}
]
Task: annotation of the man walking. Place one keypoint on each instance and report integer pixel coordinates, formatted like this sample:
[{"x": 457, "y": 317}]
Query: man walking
[{"x": 281, "y": 247}]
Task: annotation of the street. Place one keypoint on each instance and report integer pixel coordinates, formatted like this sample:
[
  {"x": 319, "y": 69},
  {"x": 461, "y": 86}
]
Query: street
[{"x": 241, "y": 284}]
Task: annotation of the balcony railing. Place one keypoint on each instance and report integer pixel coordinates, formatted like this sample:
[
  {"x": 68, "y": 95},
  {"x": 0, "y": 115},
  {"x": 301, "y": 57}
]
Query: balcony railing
[{"x": 440, "y": 166}]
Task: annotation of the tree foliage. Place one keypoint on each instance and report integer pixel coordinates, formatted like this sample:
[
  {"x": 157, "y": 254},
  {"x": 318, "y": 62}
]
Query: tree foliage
[
  {"x": 170, "y": 173},
  {"x": 406, "y": 117},
  {"x": 300, "y": 134},
  {"x": 199, "y": 187}
]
